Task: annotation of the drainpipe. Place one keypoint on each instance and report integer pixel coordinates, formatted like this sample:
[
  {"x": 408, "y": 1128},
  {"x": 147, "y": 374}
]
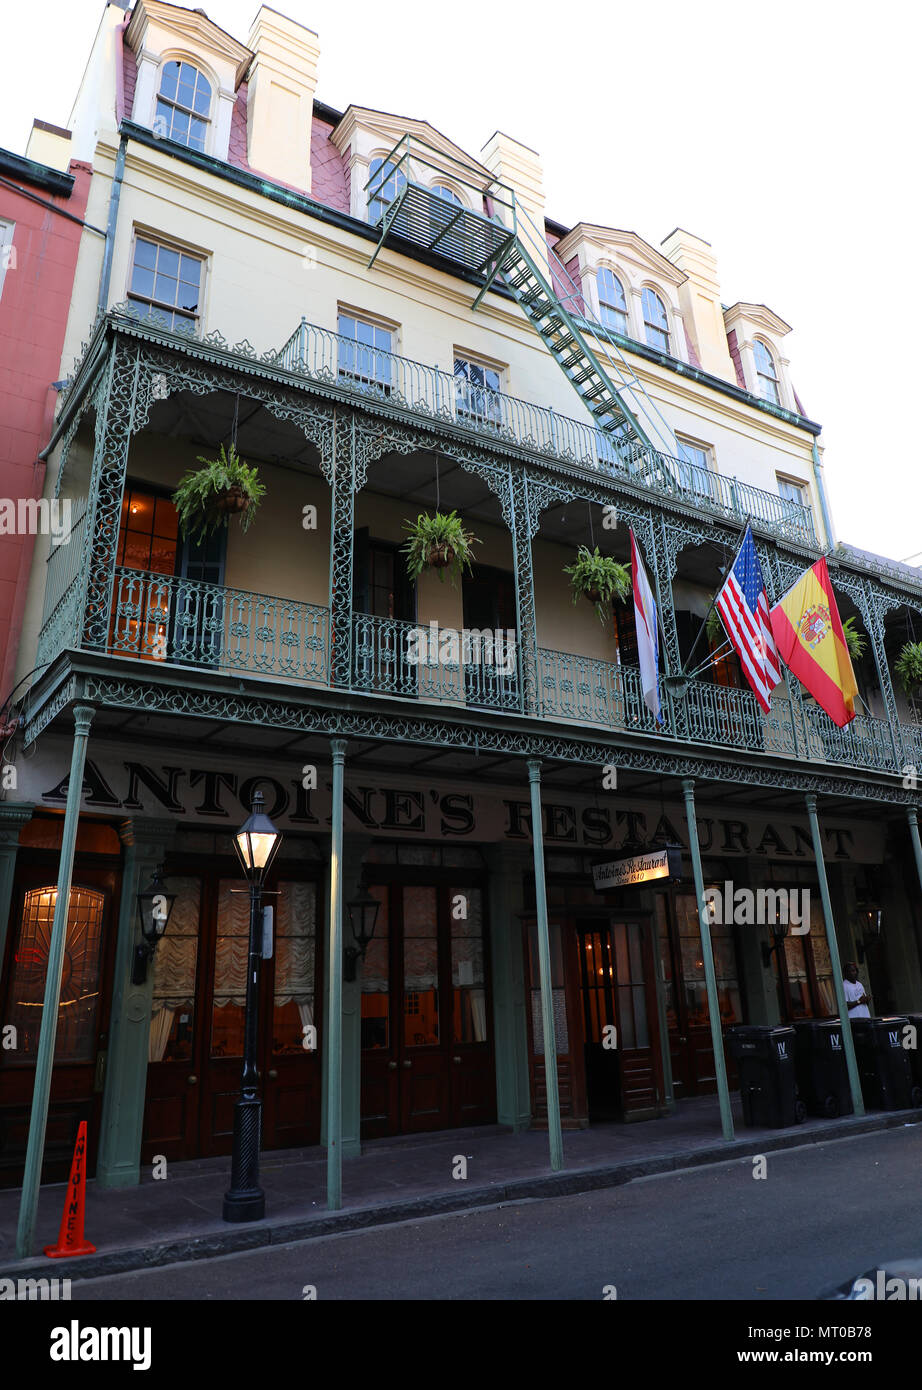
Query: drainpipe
[
  {"x": 111, "y": 224},
  {"x": 821, "y": 491}
]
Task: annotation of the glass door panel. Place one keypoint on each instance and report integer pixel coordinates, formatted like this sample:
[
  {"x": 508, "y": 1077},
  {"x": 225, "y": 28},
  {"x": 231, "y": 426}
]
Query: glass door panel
[
  {"x": 420, "y": 967},
  {"x": 295, "y": 957},
  {"x": 75, "y": 1040},
  {"x": 230, "y": 970},
  {"x": 469, "y": 1009},
  {"x": 173, "y": 1002},
  {"x": 376, "y": 978}
]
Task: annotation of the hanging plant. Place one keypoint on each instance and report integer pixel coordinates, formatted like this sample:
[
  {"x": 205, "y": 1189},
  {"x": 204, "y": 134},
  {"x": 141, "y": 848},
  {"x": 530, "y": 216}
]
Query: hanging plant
[
  {"x": 856, "y": 641},
  {"x": 908, "y": 668},
  {"x": 207, "y": 497},
  {"x": 598, "y": 578},
  {"x": 439, "y": 542},
  {"x": 714, "y": 628}
]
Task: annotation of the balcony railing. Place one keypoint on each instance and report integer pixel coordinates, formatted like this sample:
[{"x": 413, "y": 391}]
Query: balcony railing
[
  {"x": 164, "y": 618},
  {"x": 332, "y": 358},
  {"x": 188, "y": 623}
]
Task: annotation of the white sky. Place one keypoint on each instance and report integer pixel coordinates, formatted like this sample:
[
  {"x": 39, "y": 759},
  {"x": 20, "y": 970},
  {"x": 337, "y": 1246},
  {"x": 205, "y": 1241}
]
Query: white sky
[{"x": 784, "y": 132}]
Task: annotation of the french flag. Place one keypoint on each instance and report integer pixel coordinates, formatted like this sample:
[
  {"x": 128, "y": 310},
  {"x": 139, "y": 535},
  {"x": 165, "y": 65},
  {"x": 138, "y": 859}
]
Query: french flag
[{"x": 647, "y": 633}]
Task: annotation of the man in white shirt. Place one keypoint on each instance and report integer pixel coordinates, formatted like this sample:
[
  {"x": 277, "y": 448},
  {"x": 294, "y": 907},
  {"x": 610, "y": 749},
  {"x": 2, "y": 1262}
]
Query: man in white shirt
[{"x": 855, "y": 997}]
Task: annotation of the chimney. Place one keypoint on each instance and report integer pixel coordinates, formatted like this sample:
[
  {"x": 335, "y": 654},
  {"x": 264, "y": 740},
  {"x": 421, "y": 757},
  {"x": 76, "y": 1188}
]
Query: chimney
[
  {"x": 280, "y": 98},
  {"x": 699, "y": 298},
  {"x": 520, "y": 169}
]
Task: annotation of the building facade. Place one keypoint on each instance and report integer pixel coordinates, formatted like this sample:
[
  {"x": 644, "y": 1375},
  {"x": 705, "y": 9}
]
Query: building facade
[{"x": 386, "y": 324}]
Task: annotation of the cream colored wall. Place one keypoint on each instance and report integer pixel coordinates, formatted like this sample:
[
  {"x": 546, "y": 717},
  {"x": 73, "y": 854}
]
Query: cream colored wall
[{"x": 268, "y": 265}]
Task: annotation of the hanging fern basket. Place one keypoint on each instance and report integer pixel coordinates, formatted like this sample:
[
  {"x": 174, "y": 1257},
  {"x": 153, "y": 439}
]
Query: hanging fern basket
[
  {"x": 233, "y": 499},
  {"x": 441, "y": 556}
]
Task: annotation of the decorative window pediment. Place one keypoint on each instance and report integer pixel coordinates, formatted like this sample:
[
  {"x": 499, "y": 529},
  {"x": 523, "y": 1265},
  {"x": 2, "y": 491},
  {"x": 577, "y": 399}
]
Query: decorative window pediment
[
  {"x": 167, "y": 40},
  {"x": 365, "y": 135},
  {"x": 758, "y": 332}
]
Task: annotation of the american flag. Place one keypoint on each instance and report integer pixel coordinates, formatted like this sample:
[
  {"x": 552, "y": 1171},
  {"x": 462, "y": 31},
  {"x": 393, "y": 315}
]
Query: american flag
[{"x": 743, "y": 607}]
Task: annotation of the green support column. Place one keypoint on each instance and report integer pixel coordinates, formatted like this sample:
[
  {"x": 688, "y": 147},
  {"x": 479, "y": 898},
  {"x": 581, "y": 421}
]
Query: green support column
[
  {"x": 119, "y": 1161},
  {"x": 333, "y": 1051},
  {"x": 912, "y": 816},
  {"x": 555, "y": 1137},
  {"x": 707, "y": 953},
  {"x": 32, "y": 1177},
  {"x": 13, "y": 817},
  {"x": 847, "y": 1040},
  {"x": 354, "y": 850}
]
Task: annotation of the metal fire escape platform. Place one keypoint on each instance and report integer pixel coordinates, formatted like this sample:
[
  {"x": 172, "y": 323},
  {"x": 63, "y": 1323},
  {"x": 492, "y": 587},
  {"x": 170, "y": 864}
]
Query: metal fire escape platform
[{"x": 435, "y": 201}]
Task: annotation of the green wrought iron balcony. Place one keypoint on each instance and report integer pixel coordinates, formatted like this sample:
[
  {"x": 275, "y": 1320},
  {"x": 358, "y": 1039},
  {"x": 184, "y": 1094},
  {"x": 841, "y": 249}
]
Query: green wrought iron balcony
[
  {"x": 370, "y": 373},
  {"x": 186, "y": 625}
]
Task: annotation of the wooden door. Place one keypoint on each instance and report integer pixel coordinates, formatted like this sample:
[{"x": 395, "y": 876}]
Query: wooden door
[
  {"x": 427, "y": 1054},
  {"x": 692, "y": 1048},
  {"x": 199, "y": 991},
  {"x": 83, "y": 1017}
]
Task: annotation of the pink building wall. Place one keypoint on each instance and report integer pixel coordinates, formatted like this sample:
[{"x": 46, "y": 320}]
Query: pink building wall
[{"x": 34, "y": 305}]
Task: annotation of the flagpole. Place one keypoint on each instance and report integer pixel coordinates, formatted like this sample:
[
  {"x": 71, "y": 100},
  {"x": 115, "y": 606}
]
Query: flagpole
[{"x": 685, "y": 671}]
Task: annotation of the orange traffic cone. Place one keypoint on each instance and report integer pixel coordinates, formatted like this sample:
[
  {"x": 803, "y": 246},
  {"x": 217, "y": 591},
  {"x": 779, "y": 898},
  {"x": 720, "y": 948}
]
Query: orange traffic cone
[{"x": 70, "y": 1236}]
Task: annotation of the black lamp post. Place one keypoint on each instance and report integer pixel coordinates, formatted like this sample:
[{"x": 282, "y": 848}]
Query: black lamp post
[
  {"x": 257, "y": 844},
  {"x": 363, "y": 915},
  {"x": 779, "y": 930},
  {"x": 154, "y": 907}
]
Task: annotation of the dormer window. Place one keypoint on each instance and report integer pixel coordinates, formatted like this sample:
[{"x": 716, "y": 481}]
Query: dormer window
[
  {"x": 766, "y": 373},
  {"x": 383, "y": 189},
  {"x": 183, "y": 105},
  {"x": 443, "y": 191},
  {"x": 655, "y": 321},
  {"x": 612, "y": 301}
]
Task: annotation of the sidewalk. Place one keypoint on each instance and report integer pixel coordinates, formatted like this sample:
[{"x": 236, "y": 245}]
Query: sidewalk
[{"x": 179, "y": 1218}]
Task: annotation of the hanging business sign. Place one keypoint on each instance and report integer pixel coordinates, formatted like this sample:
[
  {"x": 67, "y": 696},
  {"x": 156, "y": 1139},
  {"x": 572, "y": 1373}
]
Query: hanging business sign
[{"x": 638, "y": 868}]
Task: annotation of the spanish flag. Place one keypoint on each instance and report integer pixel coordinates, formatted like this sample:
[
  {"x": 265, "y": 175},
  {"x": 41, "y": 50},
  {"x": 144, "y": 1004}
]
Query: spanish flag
[{"x": 808, "y": 633}]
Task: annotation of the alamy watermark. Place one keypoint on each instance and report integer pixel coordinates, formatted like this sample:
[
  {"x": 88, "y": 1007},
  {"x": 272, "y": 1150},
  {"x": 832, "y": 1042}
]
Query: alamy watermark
[
  {"x": 747, "y": 907},
  {"x": 472, "y": 646},
  {"x": 36, "y": 516}
]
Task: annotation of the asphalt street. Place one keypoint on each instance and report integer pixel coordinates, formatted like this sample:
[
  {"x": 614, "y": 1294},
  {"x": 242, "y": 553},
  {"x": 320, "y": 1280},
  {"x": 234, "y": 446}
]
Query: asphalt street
[{"x": 820, "y": 1213}]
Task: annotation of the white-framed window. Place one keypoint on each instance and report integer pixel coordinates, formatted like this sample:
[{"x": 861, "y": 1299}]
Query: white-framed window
[
  {"x": 767, "y": 379},
  {"x": 183, "y": 105},
  {"x": 365, "y": 348},
  {"x": 448, "y": 194},
  {"x": 477, "y": 388},
  {"x": 655, "y": 320},
  {"x": 383, "y": 189},
  {"x": 792, "y": 491},
  {"x": 168, "y": 280},
  {"x": 612, "y": 301},
  {"x": 7, "y": 250},
  {"x": 696, "y": 461}
]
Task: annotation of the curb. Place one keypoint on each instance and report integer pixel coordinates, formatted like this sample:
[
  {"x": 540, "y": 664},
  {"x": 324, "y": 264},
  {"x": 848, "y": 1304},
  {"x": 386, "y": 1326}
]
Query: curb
[{"x": 263, "y": 1235}]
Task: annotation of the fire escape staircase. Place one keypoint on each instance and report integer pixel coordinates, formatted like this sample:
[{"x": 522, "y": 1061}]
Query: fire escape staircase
[{"x": 502, "y": 244}]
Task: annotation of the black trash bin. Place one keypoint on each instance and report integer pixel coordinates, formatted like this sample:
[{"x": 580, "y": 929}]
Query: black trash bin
[
  {"x": 822, "y": 1074},
  {"x": 883, "y": 1062},
  {"x": 764, "y": 1055},
  {"x": 915, "y": 1058}
]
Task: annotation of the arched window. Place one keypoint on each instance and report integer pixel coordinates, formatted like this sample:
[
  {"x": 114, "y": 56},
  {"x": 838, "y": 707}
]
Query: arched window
[
  {"x": 383, "y": 189},
  {"x": 766, "y": 373},
  {"x": 612, "y": 303},
  {"x": 443, "y": 191},
  {"x": 183, "y": 105},
  {"x": 655, "y": 322}
]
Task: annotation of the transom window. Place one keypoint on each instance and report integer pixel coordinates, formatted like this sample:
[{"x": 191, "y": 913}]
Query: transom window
[
  {"x": 183, "y": 105},
  {"x": 655, "y": 321},
  {"x": 364, "y": 356},
  {"x": 167, "y": 280},
  {"x": 612, "y": 302},
  {"x": 382, "y": 190},
  {"x": 766, "y": 373}
]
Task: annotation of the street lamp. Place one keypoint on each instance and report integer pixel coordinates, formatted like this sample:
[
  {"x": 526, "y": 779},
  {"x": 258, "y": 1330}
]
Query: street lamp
[
  {"x": 154, "y": 907},
  {"x": 870, "y": 921},
  {"x": 363, "y": 915},
  {"x": 257, "y": 843},
  {"x": 779, "y": 930}
]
